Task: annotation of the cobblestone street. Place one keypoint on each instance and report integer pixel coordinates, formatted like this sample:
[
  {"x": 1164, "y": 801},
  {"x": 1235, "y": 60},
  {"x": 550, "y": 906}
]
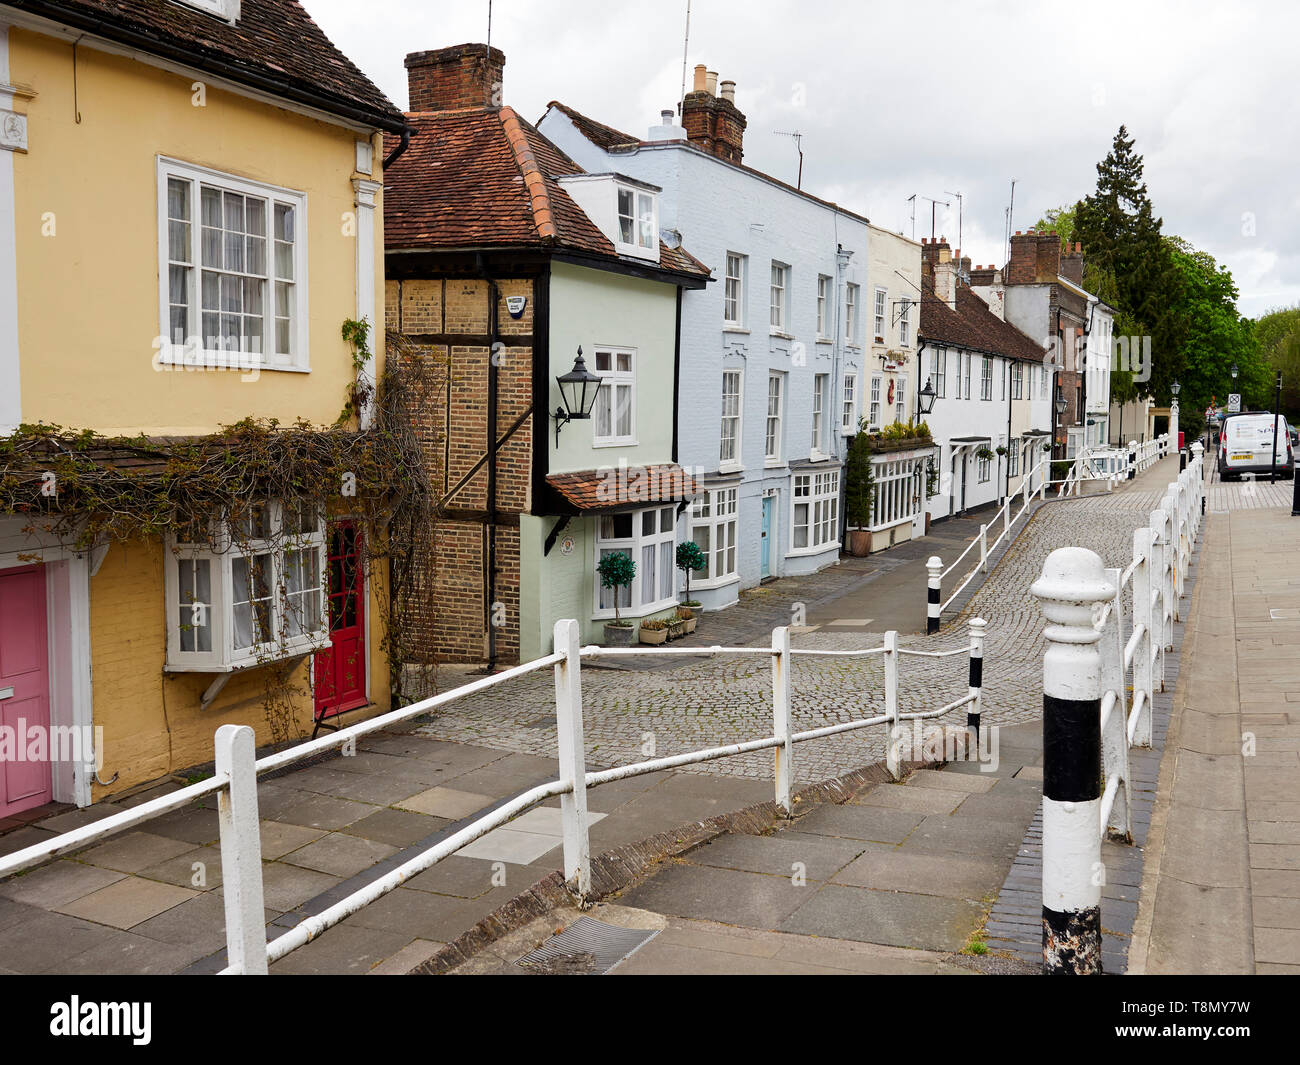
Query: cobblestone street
[{"x": 726, "y": 699}]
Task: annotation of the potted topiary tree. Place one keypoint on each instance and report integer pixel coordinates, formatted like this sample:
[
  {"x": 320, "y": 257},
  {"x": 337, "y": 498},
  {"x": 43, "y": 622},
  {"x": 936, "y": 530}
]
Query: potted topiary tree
[
  {"x": 617, "y": 570},
  {"x": 859, "y": 487},
  {"x": 690, "y": 559}
]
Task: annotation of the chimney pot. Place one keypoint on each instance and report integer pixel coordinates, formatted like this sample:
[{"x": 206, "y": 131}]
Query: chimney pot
[
  {"x": 666, "y": 116},
  {"x": 728, "y": 91},
  {"x": 700, "y": 77},
  {"x": 711, "y": 83}
]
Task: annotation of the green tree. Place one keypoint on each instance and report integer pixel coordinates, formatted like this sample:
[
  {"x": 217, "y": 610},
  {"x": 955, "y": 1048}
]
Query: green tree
[
  {"x": 1129, "y": 263},
  {"x": 1061, "y": 219},
  {"x": 1278, "y": 335}
]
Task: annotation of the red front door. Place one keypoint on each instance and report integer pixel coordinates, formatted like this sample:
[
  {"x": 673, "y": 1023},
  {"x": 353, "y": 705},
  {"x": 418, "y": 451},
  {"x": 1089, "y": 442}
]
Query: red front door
[
  {"x": 341, "y": 667},
  {"x": 24, "y": 691}
]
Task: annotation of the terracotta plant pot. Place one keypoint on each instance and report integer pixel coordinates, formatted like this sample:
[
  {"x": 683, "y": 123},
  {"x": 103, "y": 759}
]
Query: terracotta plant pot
[
  {"x": 859, "y": 543},
  {"x": 653, "y": 636},
  {"x": 619, "y": 635}
]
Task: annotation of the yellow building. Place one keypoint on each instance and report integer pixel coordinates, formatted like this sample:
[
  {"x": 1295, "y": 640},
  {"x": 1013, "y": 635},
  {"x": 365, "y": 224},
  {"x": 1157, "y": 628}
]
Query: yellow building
[{"x": 190, "y": 210}]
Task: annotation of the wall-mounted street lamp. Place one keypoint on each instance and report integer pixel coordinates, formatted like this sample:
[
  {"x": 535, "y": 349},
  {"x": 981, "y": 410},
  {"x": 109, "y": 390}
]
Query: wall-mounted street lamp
[
  {"x": 1060, "y": 402},
  {"x": 578, "y": 389},
  {"x": 925, "y": 398},
  {"x": 1174, "y": 389}
]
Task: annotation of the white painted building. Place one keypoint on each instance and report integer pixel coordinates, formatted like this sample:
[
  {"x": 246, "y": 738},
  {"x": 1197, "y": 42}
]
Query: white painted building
[{"x": 774, "y": 356}]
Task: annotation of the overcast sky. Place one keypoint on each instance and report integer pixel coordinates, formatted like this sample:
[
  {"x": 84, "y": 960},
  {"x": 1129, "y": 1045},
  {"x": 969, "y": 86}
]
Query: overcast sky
[{"x": 930, "y": 99}]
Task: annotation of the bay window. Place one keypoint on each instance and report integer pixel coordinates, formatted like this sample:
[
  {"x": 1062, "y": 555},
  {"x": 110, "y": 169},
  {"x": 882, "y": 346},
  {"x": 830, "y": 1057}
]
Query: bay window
[
  {"x": 246, "y": 589},
  {"x": 713, "y": 528},
  {"x": 648, "y": 537},
  {"x": 815, "y": 513}
]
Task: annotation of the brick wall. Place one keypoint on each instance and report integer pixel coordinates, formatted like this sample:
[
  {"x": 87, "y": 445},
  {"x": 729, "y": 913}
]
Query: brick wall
[
  {"x": 451, "y": 79},
  {"x": 447, "y": 323}
]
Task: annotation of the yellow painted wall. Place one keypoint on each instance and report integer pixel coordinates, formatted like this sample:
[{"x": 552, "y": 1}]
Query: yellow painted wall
[
  {"x": 88, "y": 295},
  {"x": 88, "y": 316},
  {"x": 152, "y": 721}
]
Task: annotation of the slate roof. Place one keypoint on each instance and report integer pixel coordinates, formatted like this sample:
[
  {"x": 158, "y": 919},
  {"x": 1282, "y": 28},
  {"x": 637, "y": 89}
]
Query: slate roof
[
  {"x": 274, "y": 47},
  {"x": 972, "y": 325},
  {"x": 484, "y": 177},
  {"x": 624, "y": 487},
  {"x": 601, "y": 135}
]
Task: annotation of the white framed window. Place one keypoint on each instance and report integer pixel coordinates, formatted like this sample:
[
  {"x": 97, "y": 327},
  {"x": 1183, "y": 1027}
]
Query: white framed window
[
  {"x": 733, "y": 291},
  {"x": 713, "y": 528},
  {"x": 615, "y": 410},
  {"x": 985, "y": 467},
  {"x": 821, "y": 384},
  {"x": 780, "y": 285},
  {"x": 873, "y": 411},
  {"x": 1042, "y": 382},
  {"x": 849, "y": 407},
  {"x": 898, "y": 495},
  {"x": 636, "y": 218},
  {"x": 648, "y": 538},
  {"x": 246, "y": 591},
  {"x": 1013, "y": 458},
  {"x": 1017, "y": 380},
  {"x": 882, "y": 309},
  {"x": 775, "y": 398},
  {"x": 814, "y": 513},
  {"x": 232, "y": 271},
  {"x": 850, "y": 312},
  {"x": 986, "y": 378},
  {"x": 823, "y": 305},
  {"x": 969, "y": 357},
  {"x": 729, "y": 453},
  {"x": 938, "y": 372},
  {"x": 900, "y": 402},
  {"x": 905, "y": 324}
]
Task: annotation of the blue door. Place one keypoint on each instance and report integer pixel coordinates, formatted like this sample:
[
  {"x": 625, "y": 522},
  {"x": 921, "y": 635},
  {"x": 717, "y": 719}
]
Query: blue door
[{"x": 767, "y": 536}]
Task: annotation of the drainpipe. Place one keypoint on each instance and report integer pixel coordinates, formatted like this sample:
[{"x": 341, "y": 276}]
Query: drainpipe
[
  {"x": 1007, "y": 456},
  {"x": 490, "y": 597},
  {"x": 397, "y": 152}
]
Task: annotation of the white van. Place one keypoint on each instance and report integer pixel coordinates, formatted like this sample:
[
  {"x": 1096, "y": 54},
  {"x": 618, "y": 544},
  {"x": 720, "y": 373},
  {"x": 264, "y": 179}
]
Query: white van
[{"x": 1246, "y": 443}]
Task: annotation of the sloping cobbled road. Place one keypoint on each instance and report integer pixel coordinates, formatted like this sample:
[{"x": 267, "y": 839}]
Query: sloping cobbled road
[{"x": 721, "y": 699}]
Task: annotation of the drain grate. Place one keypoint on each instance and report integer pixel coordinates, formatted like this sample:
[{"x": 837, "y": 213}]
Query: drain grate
[{"x": 587, "y": 948}]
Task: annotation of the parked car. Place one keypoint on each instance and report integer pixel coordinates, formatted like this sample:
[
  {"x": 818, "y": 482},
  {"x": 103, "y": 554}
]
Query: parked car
[{"x": 1246, "y": 446}]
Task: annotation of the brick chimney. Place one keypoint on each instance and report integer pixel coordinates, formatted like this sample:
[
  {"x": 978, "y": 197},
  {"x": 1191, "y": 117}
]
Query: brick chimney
[
  {"x": 1072, "y": 263},
  {"x": 940, "y": 269},
  {"x": 455, "y": 78},
  {"x": 712, "y": 119},
  {"x": 1035, "y": 258}
]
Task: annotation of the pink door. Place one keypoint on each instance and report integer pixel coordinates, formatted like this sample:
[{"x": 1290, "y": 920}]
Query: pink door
[{"x": 24, "y": 691}]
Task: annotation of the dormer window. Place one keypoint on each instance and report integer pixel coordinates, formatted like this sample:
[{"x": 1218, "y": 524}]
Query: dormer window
[
  {"x": 228, "y": 10},
  {"x": 636, "y": 218}
]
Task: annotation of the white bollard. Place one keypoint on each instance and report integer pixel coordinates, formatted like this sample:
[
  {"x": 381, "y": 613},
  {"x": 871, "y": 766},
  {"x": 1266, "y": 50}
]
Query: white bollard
[
  {"x": 784, "y": 769},
  {"x": 978, "y": 627},
  {"x": 573, "y": 758},
  {"x": 241, "y": 850},
  {"x": 1072, "y": 581}
]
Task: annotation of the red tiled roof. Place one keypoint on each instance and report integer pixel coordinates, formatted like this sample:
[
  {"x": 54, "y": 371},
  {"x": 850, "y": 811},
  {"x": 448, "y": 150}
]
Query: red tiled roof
[
  {"x": 274, "y": 47},
  {"x": 598, "y": 133},
  {"x": 972, "y": 325},
  {"x": 486, "y": 177},
  {"x": 618, "y": 488}
]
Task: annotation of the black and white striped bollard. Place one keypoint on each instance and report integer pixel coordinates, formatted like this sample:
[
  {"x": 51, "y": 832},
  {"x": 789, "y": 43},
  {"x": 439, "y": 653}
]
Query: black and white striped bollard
[
  {"x": 1073, "y": 579},
  {"x": 1132, "y": 459},
  {"x": 933, "y": 585},
  {"x": 974, "y": 707}
]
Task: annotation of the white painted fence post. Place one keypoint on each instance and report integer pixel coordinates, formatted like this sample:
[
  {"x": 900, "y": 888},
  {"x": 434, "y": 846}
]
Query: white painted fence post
[
  {"x": 1144, "y": 653},
  {"x": 1114, "y": 733},
  {"x": 1072, "y": 581},
  {"x": 1006, "y": 520},
  {"x": 984, "y": 548},
  {"x": 241, "y": 850},
  {"x": 781, "y": 662},
  {"x": 892, "y": 760},
  {"x": 573, "y": 758}
]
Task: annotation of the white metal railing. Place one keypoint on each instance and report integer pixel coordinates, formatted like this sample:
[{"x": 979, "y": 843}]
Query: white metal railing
[
  {"x": 1133, "y": 644},
  {"x": 1109, "y": 464},
  {"x": 237, "y": 769}
]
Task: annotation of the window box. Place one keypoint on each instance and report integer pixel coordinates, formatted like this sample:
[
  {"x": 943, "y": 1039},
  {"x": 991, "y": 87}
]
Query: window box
[{"x": 247, "y": 591}]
